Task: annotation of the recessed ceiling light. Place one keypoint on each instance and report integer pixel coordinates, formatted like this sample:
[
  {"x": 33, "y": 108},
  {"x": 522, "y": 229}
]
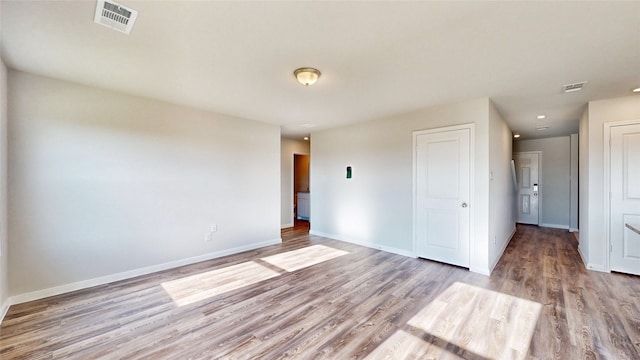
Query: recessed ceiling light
[
  {"x": 516, "y": 136},
  {"x": 636, "y": 90},
  {"x": 308, "y": 125},
  {"x": 542, "y": 116},
  {"x": 540, "y": 128},
  {"x": 306, "y": 138}
]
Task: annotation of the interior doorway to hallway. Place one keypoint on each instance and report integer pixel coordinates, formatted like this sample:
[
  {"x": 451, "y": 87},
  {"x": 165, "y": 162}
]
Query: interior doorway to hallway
[{"x": 301, "y": 191}]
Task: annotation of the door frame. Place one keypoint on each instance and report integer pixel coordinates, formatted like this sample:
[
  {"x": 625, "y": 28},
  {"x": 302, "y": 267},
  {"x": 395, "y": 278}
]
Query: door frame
[
  {"x": 606, "y": 142},
  {"x": 539, "y": 153},
  {"x": 472, "y": 230},
  {"x": 293, "y": 190}
]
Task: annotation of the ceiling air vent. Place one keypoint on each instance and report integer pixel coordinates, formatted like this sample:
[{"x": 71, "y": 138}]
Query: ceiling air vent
[
  {"x": 574, "y": 87},
  {"x": 115, "y": 16}
]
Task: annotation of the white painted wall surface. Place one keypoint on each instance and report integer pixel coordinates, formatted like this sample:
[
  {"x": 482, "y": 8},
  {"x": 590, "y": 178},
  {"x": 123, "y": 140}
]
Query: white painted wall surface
[
  {"x": 583, "y": 186},
  {"x": 575, "y": 177},
  {"x": 105, "y": 183},
  {"x": 4, "y": 263},
  {"x": 288, "y": 148},
  {"x": 375, "y": 207},
  {"x": 502, "y": 192},
  {"x": 555, "y": 194},
  {"x": 599, "y": 112}
]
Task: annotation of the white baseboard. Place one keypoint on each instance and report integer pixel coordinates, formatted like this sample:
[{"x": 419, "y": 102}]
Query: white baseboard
[
  {"x": 584, "y": 262},
  {"x": 597, "y": 267},
  {"x": 504, "y": 247},
  {"x": 35, "y": 295},
  {"x": 594, "y": 267},
  {"x": 4, "y": 308},
  {"x": 384, "y": 248},
  {"x": 284, "y": 226},
  {"x": 480, "y": 271},
  {"x": 555, "y": 226},
  {"x": 574, "y": 229}
]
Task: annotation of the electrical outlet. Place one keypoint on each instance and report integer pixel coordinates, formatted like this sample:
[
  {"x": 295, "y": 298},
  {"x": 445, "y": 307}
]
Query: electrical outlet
[{"x": 214, "y": 228}]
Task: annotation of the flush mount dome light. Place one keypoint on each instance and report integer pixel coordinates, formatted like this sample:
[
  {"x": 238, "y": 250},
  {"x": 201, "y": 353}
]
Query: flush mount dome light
[{"x": 306, "y": 75}]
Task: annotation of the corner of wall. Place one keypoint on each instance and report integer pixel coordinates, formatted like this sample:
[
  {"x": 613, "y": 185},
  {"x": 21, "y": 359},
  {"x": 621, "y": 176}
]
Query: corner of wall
[
  {"x": 501, "y": 208},
  {"x": 4, "y": 268},
  {"x": 583, "y": 185}
]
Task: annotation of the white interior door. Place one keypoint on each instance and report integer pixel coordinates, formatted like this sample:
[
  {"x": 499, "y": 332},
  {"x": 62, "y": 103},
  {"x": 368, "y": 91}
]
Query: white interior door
[
  {"x": 442, "y": 168},
  {"x": 527, "y": 170},
  {"x": 625, "y": 198}
]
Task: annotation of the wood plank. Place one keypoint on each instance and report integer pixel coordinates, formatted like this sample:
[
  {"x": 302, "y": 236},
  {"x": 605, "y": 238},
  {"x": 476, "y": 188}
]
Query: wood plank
[{"x": 321, "y": 298}]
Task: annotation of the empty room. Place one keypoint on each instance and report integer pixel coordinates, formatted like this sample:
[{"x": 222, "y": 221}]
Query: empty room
[{"x": 319, "y": 179}]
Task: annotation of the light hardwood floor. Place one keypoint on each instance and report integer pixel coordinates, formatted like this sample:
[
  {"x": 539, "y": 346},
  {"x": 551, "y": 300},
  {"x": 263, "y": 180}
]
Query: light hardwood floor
[{"x": 313, "y": 297}]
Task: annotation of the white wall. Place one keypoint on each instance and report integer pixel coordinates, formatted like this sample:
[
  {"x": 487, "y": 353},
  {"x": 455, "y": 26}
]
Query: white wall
[
  {"x": 574, "y": 175},
  {"x": 502, "y": 192},
  {"x": 288, "y": 148},
  {"x": 592, "y": 232},
  {"x": 4, "y": 263},
  {"x": 583, "y": 186},
  {"x": 555, "y": 178},
  {"x": 375, "y": 207},
  {"x": 104, "y": 183}
]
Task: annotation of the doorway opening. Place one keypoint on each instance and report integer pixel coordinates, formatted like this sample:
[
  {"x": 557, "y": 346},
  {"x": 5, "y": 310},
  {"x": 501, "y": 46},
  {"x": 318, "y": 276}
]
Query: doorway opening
[{"x": 301, "y": 191}]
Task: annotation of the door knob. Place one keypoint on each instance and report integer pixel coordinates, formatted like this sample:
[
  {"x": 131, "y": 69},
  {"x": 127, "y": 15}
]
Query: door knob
[{"x": 464, "y": 205}]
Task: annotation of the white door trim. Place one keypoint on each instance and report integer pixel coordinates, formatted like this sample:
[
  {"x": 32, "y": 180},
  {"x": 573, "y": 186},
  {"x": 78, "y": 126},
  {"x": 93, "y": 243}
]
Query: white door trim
[
  {"x": 540, "y": 192},
  {"x": 472, "y": 202},
  {"x": 606, "y": 142}
]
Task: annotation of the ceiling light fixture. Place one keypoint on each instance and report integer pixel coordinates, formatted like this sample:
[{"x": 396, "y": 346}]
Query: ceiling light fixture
[
  {"x": 636, "y": 90},
  {"x": 306, "y": 138},
  {"x": 515, "y": 136},
  {"x": 306, "y": 75},
  {"x": 540, "y": 128},
  {"x": 542, "y": 117}
]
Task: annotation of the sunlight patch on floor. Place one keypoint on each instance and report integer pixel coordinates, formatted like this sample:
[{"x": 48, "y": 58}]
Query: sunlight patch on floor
[
  {"x": 305, "y": 257},
  {"x": 402, "y": 345},
  {"x": 465, "y": 319},
  {"x": 198, "y": 287},
  {"x": 190, "y": 289}
]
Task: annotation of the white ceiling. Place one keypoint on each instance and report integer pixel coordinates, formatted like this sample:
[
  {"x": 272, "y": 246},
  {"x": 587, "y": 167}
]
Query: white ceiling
[{"x": 376, "y": 58}]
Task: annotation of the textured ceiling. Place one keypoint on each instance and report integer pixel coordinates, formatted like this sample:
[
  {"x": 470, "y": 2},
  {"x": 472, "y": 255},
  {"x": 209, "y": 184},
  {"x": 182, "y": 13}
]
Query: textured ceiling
[{"x": 376, "y": 58}]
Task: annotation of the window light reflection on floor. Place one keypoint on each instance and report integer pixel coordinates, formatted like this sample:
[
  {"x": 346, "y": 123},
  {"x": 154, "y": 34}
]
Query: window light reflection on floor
[
  {"x": 483, "y": 324},
  {"x": 190, "y": 289},
  {"x": 198, "y": 287},
  {"x": 305, "y": 257}
]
